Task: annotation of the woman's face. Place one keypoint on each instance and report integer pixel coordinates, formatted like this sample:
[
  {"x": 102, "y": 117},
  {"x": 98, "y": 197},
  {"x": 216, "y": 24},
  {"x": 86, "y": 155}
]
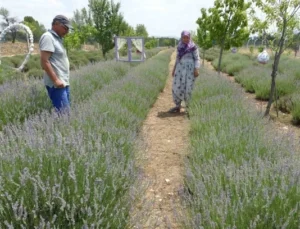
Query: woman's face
[{"x": 185, "y": 39}]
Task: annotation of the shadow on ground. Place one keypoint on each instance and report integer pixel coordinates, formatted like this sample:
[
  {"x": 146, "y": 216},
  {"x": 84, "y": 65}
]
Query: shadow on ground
[{"x": 166, "y": 114}]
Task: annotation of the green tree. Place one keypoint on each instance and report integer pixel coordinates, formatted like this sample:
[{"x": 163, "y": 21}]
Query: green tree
[
  {"x": 82, "y": 18},
  {"x": 150, "y": 43},
  {"x": 107, "y": 22},
  {"x": 73, "y": 40},
  {"x": 126, "y": 30},
  {"x": 7, "y": 21},
  {"x": 36, "y": 28},
  {"x": 204, "y": 38},
  {"x": 228, "y": 25},
  {"x": 282, "y": 14},
  {"x": 83, "y": 29},
  {"x": 141, "y": 30}
]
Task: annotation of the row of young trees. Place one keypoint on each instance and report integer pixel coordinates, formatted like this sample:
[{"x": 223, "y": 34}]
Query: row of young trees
[{"x": 230, "y": 22}]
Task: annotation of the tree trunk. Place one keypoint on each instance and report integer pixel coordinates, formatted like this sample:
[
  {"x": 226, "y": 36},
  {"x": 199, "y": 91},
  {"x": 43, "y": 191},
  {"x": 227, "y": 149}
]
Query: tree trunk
[
  {"x": 203, "y": 57},
  {"x": 275, "y": 68},
  {"x": 220, "y": 58},
  {"x": 14, "y": 36},
  {"x": 103, "y": 52},
  {"x": 272, "y": 91}
]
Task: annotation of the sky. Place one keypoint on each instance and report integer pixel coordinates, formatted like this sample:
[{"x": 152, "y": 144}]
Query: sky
[{"x": 165, "y": 18}]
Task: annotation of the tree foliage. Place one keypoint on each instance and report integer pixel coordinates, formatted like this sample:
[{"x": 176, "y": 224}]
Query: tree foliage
[
  {"x": 83, "y": 29},
  {"x": 204, "y": 38},
  {"x": 228, "y": 24},
  {"x": 36, "y": 28},
  {"x": 141, "y": 30},
  {"x": 126, "y": 30},
  {"x": 108, "y": 22},
  {"x": 6, "y": 21},
  {"x": 283, "y": 15}
]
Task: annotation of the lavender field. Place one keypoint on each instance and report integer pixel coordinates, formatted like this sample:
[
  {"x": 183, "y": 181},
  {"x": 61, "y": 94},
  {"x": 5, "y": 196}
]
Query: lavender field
[
  {"x": 256, "y": 78},
  {"x": 241, "y": 172},
  {"x": 78, "y": 170},
  {"x": 22, "y": 98}
]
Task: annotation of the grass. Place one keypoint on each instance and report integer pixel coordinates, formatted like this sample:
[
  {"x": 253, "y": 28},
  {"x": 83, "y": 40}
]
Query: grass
[
  {"x": 77, "y": 171},
  {"x": 240, "y": 174}
]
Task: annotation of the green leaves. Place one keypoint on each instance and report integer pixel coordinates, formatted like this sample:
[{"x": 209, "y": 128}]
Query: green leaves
[
  {"x": 227, "y": 21},
  {"x": 203, "y": 33},
  {"x": 225, "y": 24},
  {"x": 108, "y": 22},
  {"x": 36, "y": 28},
  {"x": 141, "y": 30}
]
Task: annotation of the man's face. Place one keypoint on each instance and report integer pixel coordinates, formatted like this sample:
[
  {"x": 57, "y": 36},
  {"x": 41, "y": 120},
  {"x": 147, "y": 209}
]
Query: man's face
[
  {"x": 61, "y": 29},
  {"x": 65, "y": 29}
]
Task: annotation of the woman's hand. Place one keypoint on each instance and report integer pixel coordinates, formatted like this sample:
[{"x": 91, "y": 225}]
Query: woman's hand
[{"x": 196, "y": 72}]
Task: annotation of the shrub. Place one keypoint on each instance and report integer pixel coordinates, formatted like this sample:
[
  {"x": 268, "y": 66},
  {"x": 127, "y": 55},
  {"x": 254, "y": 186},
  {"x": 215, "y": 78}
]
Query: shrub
[
  {"x": 8, "y": 74},
  {"x": 16, "y": 61},
  {"x": 285, "y": 104},
  {"x": 211, "y": 54},
  {"x": 35, "y": 72},
  {"x": 261, "y": 48}
]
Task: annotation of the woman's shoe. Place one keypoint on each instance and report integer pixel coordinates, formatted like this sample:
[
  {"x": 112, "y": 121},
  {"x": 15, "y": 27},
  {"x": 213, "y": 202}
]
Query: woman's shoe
[{"x": 174, "y": 110}]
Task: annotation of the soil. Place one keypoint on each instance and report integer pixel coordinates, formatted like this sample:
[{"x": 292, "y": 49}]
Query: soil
[
  {"x": 21, "y": 48},
  {"x": 17, "y": 48},
  {"x": 165, "y": 142}
]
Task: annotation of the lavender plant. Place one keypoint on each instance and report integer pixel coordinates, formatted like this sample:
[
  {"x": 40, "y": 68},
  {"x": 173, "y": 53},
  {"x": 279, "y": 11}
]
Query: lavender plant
[
  {"x": 240, "y": 173},
  {"x": 20, "y": 99},
  {"x": 77, "y": 170}
]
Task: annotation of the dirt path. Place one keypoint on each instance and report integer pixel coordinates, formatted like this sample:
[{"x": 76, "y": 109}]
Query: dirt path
[
  {"x": 165, "y": 139},
  {"x": 164, "y": 147}
]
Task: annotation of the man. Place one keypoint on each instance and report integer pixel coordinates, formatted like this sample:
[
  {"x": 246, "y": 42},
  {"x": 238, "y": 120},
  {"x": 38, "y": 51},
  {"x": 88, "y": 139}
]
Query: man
[{"x": 55, "y": 62}]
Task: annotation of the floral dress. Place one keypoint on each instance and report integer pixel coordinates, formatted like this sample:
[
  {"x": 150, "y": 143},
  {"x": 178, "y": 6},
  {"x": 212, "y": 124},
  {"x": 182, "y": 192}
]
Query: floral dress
[{"x": 184, "y": 78}]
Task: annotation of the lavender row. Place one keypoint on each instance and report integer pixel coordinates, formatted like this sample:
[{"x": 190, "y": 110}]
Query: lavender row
[
  {"x": 20, "y": 99},
  {"x": 77, "y": 171},
  {"x": 241, "y": 172}
]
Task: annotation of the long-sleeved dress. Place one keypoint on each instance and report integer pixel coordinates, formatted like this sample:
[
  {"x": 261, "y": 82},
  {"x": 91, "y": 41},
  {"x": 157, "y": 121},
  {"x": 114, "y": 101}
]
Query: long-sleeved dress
[{"x": 184, "y": 78}]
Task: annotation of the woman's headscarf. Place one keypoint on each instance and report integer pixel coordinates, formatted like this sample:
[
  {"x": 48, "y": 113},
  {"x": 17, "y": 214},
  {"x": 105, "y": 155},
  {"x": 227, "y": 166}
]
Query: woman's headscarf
[{"x": 183, "y": 48}]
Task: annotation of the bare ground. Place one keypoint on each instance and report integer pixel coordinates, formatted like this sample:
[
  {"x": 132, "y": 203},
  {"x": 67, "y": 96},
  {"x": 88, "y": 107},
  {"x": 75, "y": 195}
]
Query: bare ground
[
  {"x": 21, "y": 48},
  {"x": 165, "y": 142}
]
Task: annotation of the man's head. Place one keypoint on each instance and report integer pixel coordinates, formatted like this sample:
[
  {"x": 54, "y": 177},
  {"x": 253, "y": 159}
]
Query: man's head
[{"x": 61, "y": 25}]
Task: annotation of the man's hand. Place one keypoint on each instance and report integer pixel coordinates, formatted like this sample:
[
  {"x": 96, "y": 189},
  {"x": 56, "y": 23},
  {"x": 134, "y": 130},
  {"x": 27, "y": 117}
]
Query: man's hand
[
  {"x": 46, "y": 65},
  {"x": 58, "y": 83},
  {"x": 196, "y": 72}
]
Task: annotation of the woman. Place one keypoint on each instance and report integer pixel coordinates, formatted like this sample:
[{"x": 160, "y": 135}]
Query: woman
[{"x": 185, "y": 71}]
